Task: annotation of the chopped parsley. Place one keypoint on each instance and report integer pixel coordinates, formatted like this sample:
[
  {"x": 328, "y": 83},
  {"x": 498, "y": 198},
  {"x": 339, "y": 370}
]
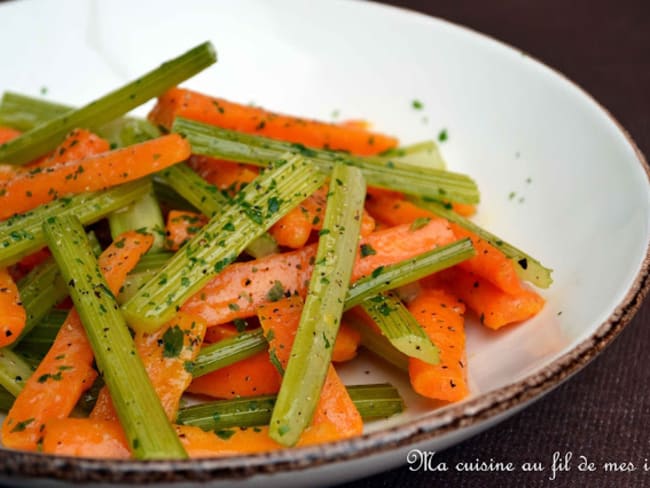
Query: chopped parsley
[{"x": 173, "y": 342}]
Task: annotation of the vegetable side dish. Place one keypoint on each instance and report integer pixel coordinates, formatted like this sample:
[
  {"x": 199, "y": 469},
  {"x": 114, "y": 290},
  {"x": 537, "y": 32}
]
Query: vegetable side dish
[{"x": 230, "y": 255}]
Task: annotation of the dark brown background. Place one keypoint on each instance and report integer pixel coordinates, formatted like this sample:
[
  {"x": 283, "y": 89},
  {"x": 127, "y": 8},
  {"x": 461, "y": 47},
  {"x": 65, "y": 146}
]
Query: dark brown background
[{"x": 602, "y": 413}]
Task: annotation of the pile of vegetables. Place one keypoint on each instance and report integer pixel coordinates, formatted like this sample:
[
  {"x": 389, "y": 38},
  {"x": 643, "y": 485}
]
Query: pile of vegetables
[{"x": 223, "y": 253}]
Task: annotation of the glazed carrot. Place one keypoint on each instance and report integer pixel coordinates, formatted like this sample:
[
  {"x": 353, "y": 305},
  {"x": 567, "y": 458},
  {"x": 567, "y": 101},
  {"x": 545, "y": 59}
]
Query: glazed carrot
[
  {"x": 12, "y": 313},
  {"x": 229, "y": 115},
  {"x": 225, "y": 175},
  {"x": 441, "y": 316},
  {"x": 335, "y": 416},
  {"x": 464, "y": 209},
  {"x": 66, "y": 371},
  {"x": 103, "y": 439},
  {"x": 34, "y": 188},
  {"x": 181, "y": 227},
  {"x": 251, "y": 376},
  {"x": 219, "y": 332},
  {"x": 294, "y": 229},
  {"x": 242, "y": 287},
  {"x": 78, "y": 144},
  {"x": 164, "y": 354},
  {"x": 494, "y": 307},
  {"x": 7, "y": 134},
  {"x": 347, "y": 343},
  {"x": 489, "y": 263}
]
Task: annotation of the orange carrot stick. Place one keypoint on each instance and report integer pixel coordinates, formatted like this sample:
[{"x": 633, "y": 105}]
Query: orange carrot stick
[
  {"x": 336, "y": 416},
  {"x": 346, "y": 344},
  {"x": 251, "y": 376},
  {"x": 181, "y": 227},
  {"x": 34, "y": 188},
  {"x": 493, "y": 306},
  {"x": 242, "y": 287},
  {"x": 179, "y": 102},
  {"x": 441, "y": 316},
  {"x": 12, "y": 313},
  {"x": 225, "y": 175},
  {"x": 164, "y": 354},
  {"x": 7, "y": 134},
  {"x": 489, "y": 263},
  {"x": 103, "y": 439},
  {"x": 66, "y": 370},
  {"x": 78, "y": 144},
  {"x": 219, "y": 332}
]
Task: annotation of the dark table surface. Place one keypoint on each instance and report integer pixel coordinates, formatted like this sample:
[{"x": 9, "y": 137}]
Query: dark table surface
[{"x": 603, "y": 413}]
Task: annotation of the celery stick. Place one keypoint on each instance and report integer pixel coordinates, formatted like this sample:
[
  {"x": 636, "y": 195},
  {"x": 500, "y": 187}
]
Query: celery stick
[
  {"x": 321, "y": 316},
  {"x": 413, "y": 180},
  {"x": 147, "y": 429},
  {"x": 45, "y": 137},
  {"x": 425, "y": 154},
  {"x": 143, "y": 215},
  {"x": 6, "y": 400},
  {"x": 24, "y": 113},
  {"x": 228, "y": 351},
  {"x": 22, "y": 234},
  {"x": 400, "y": 327},
  {"x": 372, "y": 401},
  {"x": 14, "y": 371},
  {"x": 527, "y": 267},
  {"x": 221, "y": 240},
  {"x": 379, "y": 345}
]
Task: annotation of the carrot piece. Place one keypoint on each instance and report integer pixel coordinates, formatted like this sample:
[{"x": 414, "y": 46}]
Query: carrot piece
[
  {"x": 225, "y": 175},
  {"x": 78, "y": 144},
  {"x": 251, "y": 376},
  {"x": 164, "y": 360},
  {"x": 85, "y": 438},
  {"x": 489, "y": 263},
  {"x": 464, "y": 209},
  {"x": 12, "y": 313},
  {"x": 27, "y": 263},
  {"x": 179, "y": 102},
  {"x": 7, "y": 134},
  {"x": 66, "y": 370},
  {"x": 181, "y": 227},
  {"x": 240, "y": 288},
  {"x": 336, "y": 416},
  {"x": 441, "y": 316},
  {"x": 346, "y": 344},
  {"x": 102, "y": 171},
  {"x": 493, "y": 306}
]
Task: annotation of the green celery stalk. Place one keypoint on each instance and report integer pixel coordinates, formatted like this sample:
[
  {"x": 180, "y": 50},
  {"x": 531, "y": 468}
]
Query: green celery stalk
[
  {"x": 14, "y": 371},
  {"x": 209, "y": 201},
  {"x": 413, "y": 180},
  {"x": 425, "y": 154},
  {"x": 22, "y": 234},
  {"x": 147, "y": 429},
  {"x": 228, "y": 351},
  {"x": 41, "y": 337},
  {"x": 6, "y": 400},
  {"x": 379, "y": 345},
  {"x": 253, "y": 210},
  {"x": 527, "y": 267},
  {"x": 372, "y": 402},
  {"x": 46, "y": 136},
  {"x": 405, "y": 272},
  {"x": 400, "y": 327},
  {"x": 143, "y": 215},
  {"x": 321, "y": 316}
]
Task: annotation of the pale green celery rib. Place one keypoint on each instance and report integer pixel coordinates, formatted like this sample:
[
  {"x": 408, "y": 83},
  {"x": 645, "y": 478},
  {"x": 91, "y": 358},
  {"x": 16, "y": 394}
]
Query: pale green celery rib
[
  {"x": 321, "y": 316},
  {"x": 246, "y": 148},
  {"x": 46, "y": 136},
  {"x": 148, "y": 432},
  {"x": 400, "y": 327}
]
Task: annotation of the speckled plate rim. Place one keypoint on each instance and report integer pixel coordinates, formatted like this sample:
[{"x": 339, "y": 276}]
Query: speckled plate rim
[{"x": 438, "y": 423}]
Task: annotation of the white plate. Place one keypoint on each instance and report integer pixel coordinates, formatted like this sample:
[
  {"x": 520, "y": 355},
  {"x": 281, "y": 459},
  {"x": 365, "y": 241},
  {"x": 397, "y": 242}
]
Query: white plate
[{"x": 582, "y": 199}]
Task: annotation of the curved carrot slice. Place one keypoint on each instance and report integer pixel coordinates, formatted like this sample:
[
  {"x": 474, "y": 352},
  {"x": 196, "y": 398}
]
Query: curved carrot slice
[
  {"x": 229, "y": 115},
  {"x": 240, "y": 288},
  {"x": 489, "y": 263},
  {"x": 78, "y": 144},
  {"x": 251, "y": 376},
  {"x": 181, "y": 227},
  {"x": 225, "y": 175},
  {"x": 335, "y": 417},
  {"x": 66, "y": 370},
  {"x": 441, "y": 316},
  {"x": 28, "y": 190},
  {"x": 164, "y": 354},
  {"x": 346, "y": 344},
  {"x": 216, "y": 333},
  {"x": 12, "y": 313},
  {"x": 7, "y": 134},
  {"x": 85, "y": 438},
  {"x": 494, "y": 307}
]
